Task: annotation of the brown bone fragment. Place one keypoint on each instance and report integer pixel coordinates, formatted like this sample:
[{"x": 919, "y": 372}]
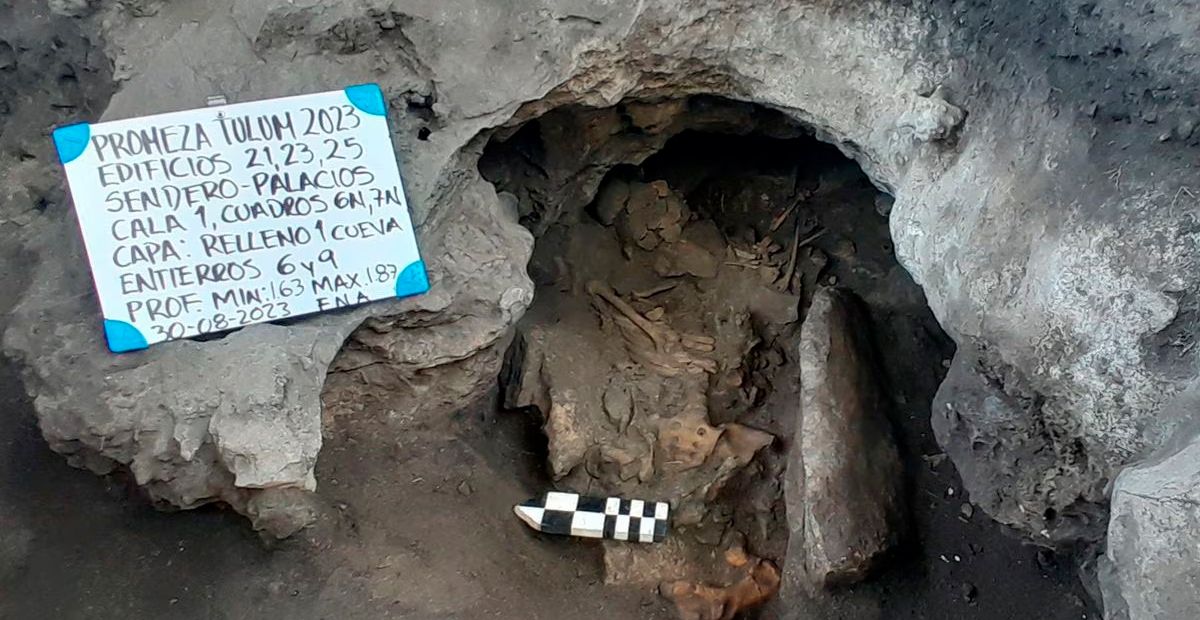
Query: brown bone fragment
[{"x": 694, "y": 601}]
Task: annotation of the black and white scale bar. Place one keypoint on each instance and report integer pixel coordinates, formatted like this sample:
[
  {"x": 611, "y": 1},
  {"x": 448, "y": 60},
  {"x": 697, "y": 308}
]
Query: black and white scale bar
[{"x": 613, "y": 518}]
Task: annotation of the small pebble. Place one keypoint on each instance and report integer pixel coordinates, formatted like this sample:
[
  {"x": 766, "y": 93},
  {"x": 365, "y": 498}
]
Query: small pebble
[
  {"x": 969, "y": 592},
  {"x": 1186, "y": 127},
  {"x": 967, "y": 511},
  {"x": 1045, "y": 560},
  {"x": 465, "y": 488},
  {"x": 883, "y": 204},
  {"x": 844, "y": 248},
  {"x": 950, "y": 491},
  {"x": 957, "y": 558},
  {"x": 934, "y": 460}
]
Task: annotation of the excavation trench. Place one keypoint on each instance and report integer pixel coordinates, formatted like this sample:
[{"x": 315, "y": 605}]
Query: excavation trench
[{"x": 679, "y": 247}]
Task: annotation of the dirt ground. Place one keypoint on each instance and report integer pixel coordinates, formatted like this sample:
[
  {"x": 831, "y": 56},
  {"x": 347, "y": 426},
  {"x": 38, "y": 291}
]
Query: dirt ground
[
  {"x": 419, "y": 523},
  {"x": 412, "y": 545},
  {"x": 407, "y": 540}
]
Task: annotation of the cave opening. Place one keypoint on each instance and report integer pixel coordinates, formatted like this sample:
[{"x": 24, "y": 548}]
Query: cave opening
[{"x": 680, "y": 244}]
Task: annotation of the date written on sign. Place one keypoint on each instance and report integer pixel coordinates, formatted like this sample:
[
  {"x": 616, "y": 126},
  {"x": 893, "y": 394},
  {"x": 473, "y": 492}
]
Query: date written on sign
[{"x": 212, "y": 219}]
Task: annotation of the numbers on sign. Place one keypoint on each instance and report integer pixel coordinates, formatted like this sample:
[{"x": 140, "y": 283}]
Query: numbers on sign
[
  {"x": 348, "y": 148},
  {"x": 351, "y": 114},
  {"x": 293, "y": 153},
  {"x": 326, "y": 256},
  {"x": 287, "y": 288},
  {"x": 270, "y": 311},
  {"x": 385, "y": 273},
  {"x": 218, "y": 322},
  {"x": 172, "y": 331},
  {"x": 266, "y": 154},
  {"x": 284, "y": 266},
  {"x": 200, "y": 213},
  {"x": 330, "y": 120}
]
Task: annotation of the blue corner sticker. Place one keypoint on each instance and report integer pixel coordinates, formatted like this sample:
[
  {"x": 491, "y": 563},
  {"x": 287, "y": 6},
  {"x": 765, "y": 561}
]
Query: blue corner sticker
[
  {"x": 123, "y": 337},
  {"x": 368, "y": 98},
  {"x": 413, "y": 280},
  {"x": 71, "y": 141}
]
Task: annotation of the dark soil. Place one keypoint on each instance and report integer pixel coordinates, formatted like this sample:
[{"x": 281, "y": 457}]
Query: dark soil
[{"x": 405, "y": 538}]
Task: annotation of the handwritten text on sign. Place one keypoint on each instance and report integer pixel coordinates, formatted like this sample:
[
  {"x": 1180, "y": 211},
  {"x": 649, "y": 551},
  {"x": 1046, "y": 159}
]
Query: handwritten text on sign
[{"x": 206, "y": 220}]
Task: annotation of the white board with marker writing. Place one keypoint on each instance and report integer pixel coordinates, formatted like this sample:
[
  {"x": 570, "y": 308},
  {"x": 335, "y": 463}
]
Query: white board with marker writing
[{"x": 211, "y": 219}]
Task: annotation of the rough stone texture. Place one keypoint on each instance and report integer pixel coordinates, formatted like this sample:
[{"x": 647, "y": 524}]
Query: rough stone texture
[
  {"x": 1018, "y": 468},
  {"x": 16, "y": 545},
  {"x": 256, "y": 433},
  {"x": 1151, "y": 569},
  {"x": 1041, "y": 155},
  {"x": 844, "y": 479}
]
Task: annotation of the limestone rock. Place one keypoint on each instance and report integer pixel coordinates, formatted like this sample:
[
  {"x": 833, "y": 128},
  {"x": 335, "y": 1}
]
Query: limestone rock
[
  {"x": 932, "y": 118},
  {"x": 844, "y": 478},
  {"x": 1151, "y": 569},
  {"x": 72, "y": 8},
  {"x": 283, "y": 511},
  {"x": 992, "y": 425}
]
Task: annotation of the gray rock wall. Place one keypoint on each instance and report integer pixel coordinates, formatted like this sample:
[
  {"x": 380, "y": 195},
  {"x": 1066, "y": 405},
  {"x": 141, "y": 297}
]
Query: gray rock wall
[
  {"x": 1152, "y": 565},
  {"x": 1041, "y": 155}
]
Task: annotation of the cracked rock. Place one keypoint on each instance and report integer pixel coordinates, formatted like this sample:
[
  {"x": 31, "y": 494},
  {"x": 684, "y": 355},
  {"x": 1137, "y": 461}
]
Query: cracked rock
[
  {"x": 1151, "y": 569},
  {"x": 844, "y": 478}
]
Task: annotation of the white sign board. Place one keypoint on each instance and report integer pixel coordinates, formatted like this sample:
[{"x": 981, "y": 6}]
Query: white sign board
[{"x": 210, "y": 219}]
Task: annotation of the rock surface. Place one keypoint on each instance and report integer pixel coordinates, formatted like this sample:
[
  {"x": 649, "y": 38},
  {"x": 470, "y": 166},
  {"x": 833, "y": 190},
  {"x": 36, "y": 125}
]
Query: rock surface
[
  {"x": 844, "y": 479},
  {"x": 16, "y": 547},
  {"x": 1151, "y": 569},
  {"x": 1041, "y": 155},
  {"x": 990, "y": 421}
]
